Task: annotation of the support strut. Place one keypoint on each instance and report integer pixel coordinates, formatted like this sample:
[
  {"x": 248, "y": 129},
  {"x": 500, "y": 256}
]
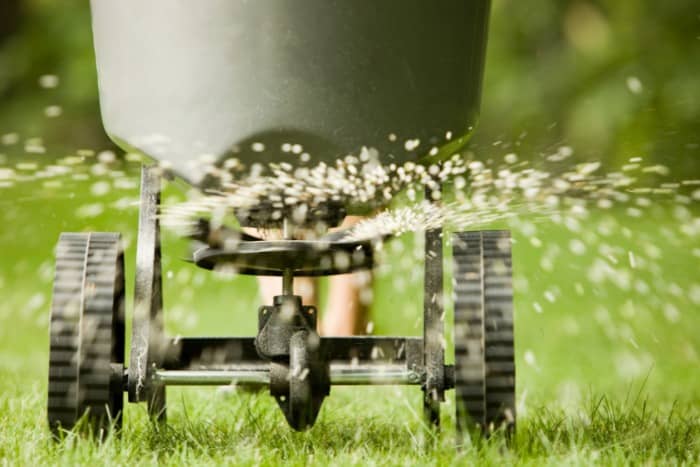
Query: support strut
[{"x": 147, "y": 339}]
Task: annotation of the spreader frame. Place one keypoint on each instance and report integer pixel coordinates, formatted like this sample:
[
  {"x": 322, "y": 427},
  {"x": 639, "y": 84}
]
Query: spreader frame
[{"x": 298, "y": 365}]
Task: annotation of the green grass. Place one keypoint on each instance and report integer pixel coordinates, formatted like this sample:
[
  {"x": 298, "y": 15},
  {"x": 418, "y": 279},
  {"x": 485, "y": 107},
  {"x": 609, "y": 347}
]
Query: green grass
[
  {"x": 608, "y": 368},
  {"x": 246, "y": 429}
]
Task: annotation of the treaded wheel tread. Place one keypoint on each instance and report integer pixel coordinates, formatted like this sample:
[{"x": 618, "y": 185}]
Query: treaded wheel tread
[
  {"x": 483, "y": 310},
  {"x": 86, "y": 332}
]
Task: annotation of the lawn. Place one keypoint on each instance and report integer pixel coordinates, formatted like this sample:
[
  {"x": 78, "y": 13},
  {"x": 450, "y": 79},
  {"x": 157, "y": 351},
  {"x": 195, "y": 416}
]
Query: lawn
[{"x": 607, "y": 349}]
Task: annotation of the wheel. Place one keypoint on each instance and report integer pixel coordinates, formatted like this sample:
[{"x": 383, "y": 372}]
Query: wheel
[
  {"x": 301, "y": 410},
  {"x": 300, "y": 386},
  {"x": 304, "y": 371},
  {"x": 86, "y": 352},
  {"x": 483, "y": 327}
]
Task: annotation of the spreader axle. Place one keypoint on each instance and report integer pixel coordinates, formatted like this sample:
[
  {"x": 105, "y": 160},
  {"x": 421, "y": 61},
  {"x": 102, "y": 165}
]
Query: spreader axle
[{"x": 342, "y": 374}]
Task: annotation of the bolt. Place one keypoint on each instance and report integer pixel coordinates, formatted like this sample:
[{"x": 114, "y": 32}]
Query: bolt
[{"x": 414, "y": 377}]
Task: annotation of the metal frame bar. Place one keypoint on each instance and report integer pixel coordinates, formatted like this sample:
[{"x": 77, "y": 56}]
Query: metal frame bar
[
  {"x": 147, "y": 326},
  {"x": 341, "y": 374},
  {"x": 210, "y": 353},
  {"x": 433, "y": 326},
  {"x": 158, "y": 361}
]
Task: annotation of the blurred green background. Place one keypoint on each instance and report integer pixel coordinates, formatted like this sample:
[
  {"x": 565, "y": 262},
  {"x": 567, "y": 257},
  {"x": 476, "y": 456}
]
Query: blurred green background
[{"x": 613, "y": 79}]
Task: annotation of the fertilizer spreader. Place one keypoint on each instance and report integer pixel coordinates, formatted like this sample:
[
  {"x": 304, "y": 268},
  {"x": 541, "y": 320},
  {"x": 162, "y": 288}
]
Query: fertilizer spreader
[{"x": 194, "y": 85}]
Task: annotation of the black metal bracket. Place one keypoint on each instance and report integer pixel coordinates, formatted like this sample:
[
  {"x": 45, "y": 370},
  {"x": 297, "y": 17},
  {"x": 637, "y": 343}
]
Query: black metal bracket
[{"x": 279, "y": 322}]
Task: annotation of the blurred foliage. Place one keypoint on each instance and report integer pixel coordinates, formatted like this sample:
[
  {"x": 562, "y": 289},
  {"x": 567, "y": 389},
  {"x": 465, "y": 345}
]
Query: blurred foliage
[
  {"x": 49, "y": 38},
  {"x": 614, "y": 79}
]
